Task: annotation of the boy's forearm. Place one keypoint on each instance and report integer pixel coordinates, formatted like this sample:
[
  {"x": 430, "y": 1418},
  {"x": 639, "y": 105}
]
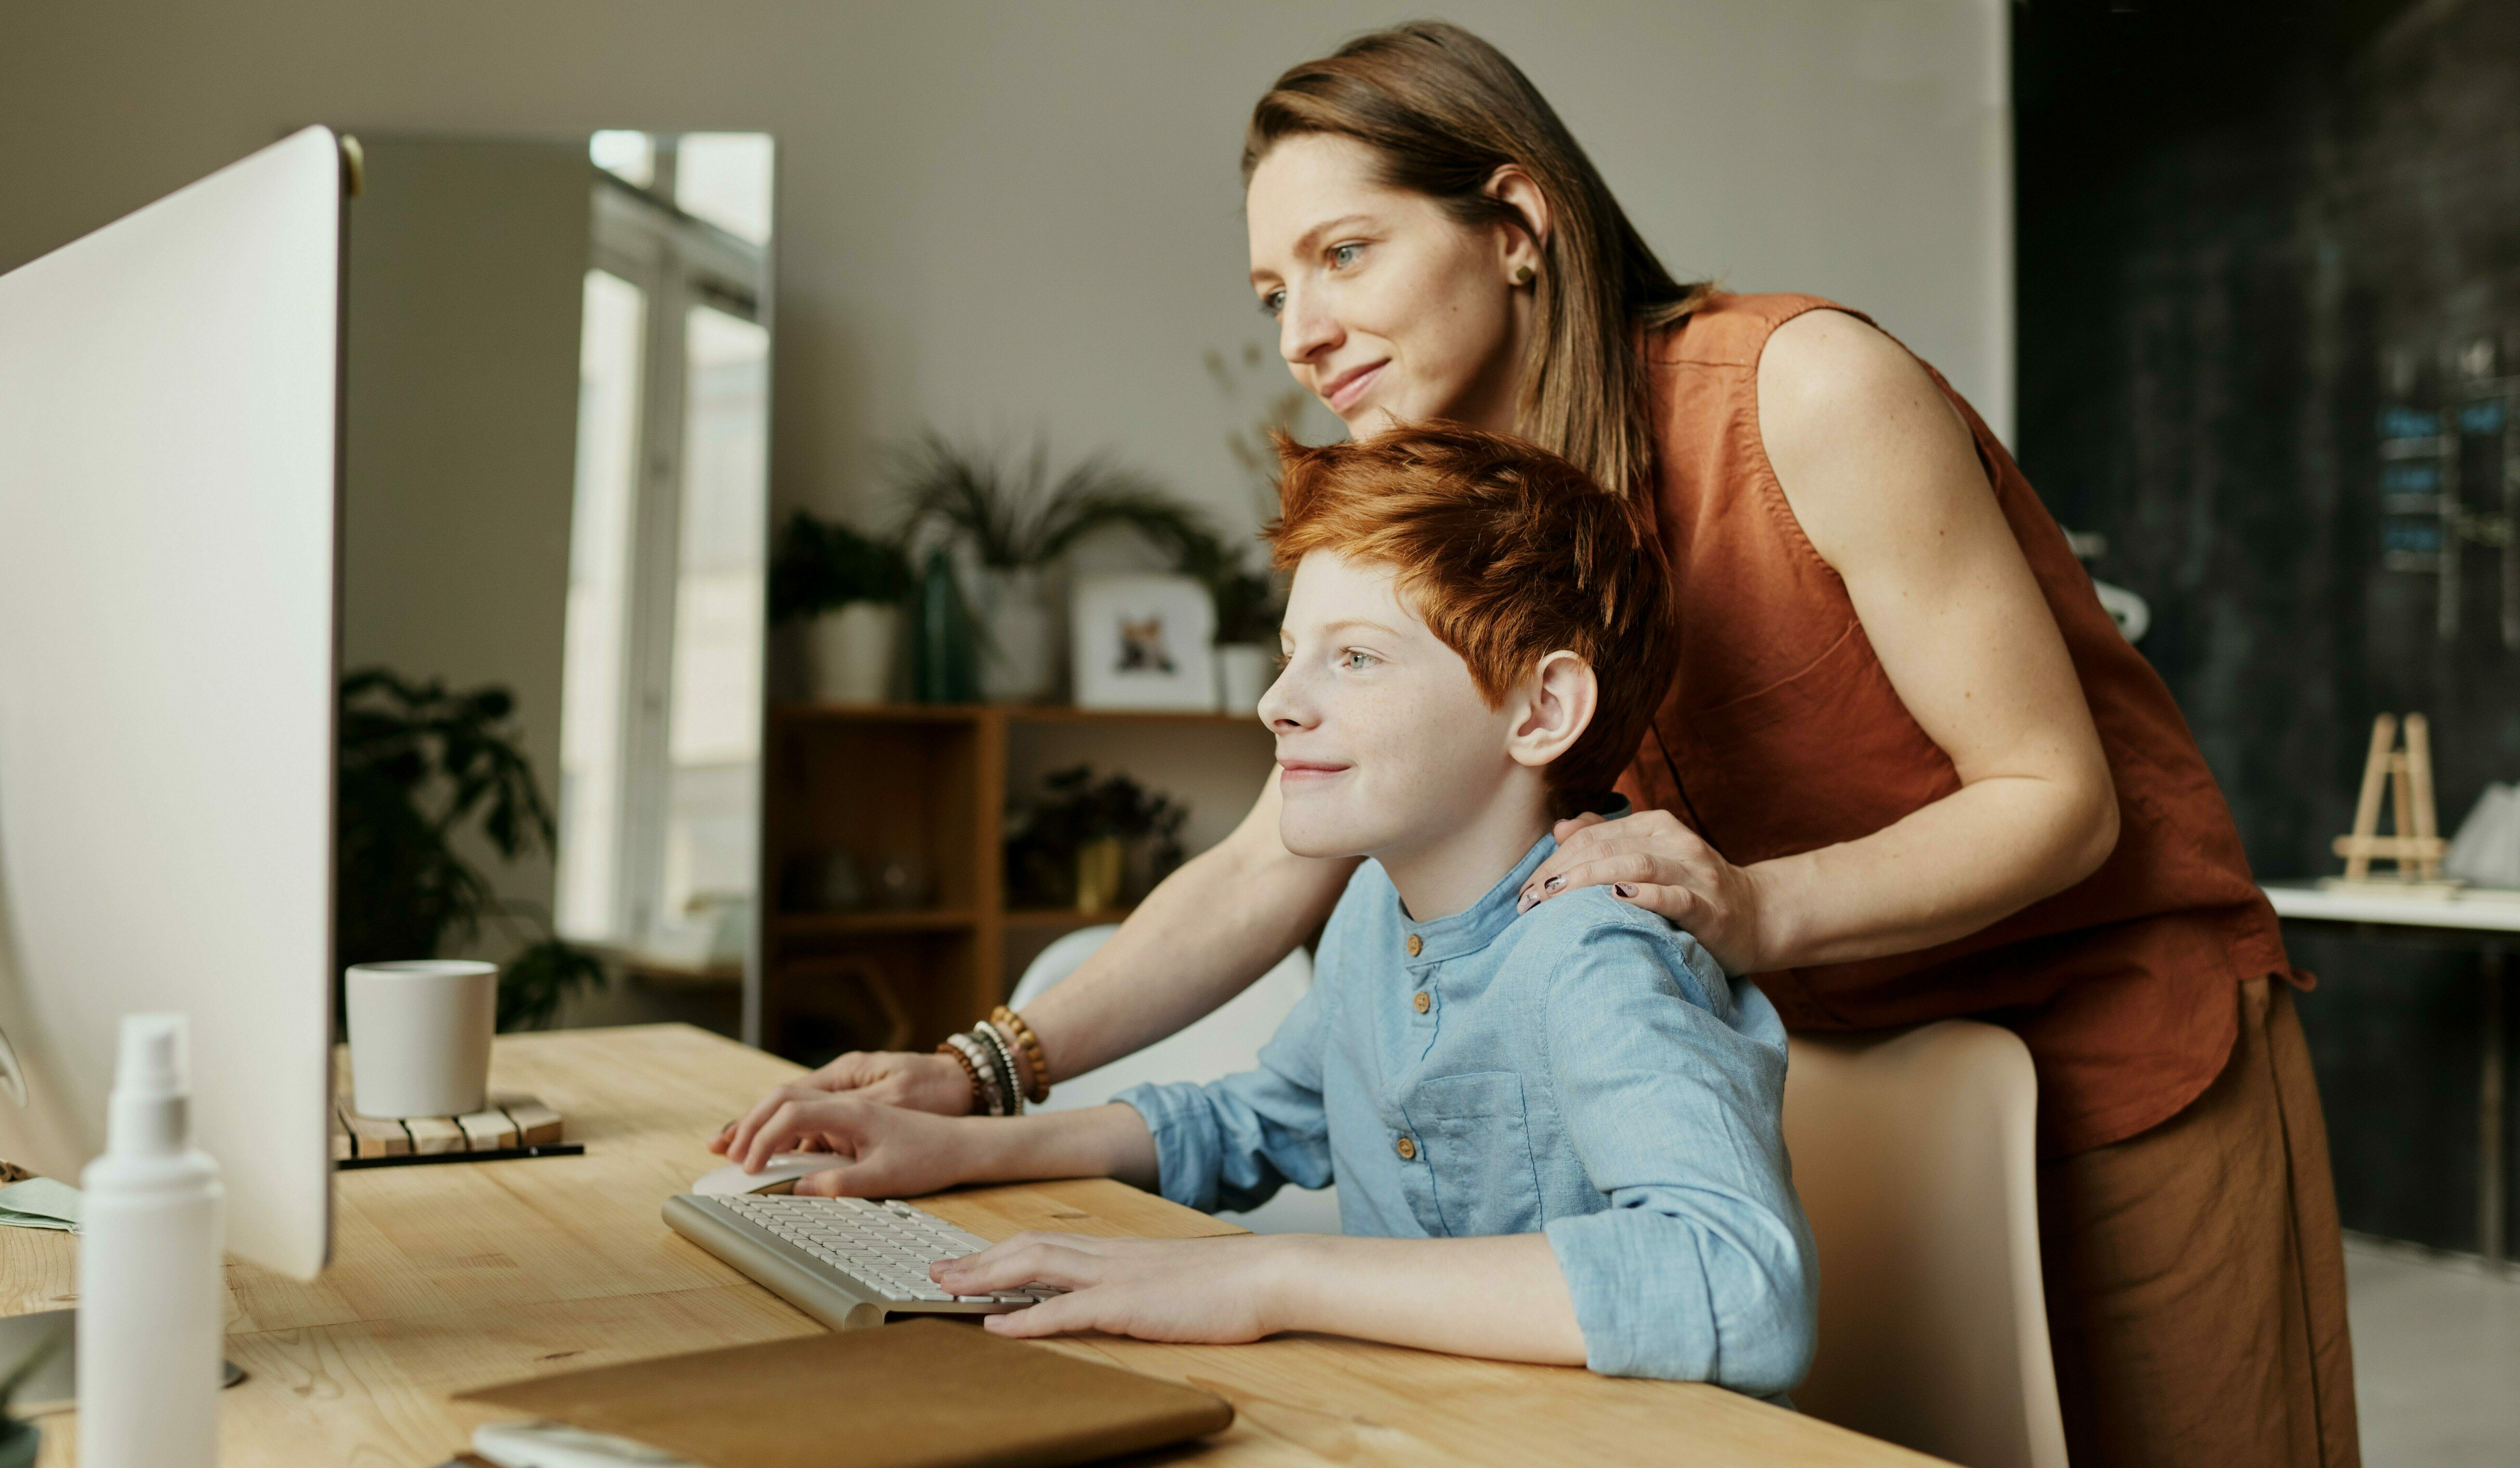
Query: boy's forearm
[
  {"x": 1503, "y": 1298},
  {"x": 1098, "y": 1142}
]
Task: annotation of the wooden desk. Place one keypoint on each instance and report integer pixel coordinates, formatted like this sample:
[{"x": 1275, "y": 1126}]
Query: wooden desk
[{"x": 455, "y": 1276}]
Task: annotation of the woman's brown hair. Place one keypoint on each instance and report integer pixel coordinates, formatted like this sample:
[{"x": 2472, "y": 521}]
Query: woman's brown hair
[{"x": 1444, "y": 111}]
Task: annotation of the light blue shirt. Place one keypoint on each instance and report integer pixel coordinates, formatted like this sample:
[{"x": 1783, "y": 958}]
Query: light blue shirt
[{"x": 1583, "y": 1070}]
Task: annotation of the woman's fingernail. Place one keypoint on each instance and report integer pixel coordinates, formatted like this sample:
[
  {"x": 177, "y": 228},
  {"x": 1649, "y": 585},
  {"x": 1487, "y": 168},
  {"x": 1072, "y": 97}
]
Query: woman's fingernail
[
  {"x": 1624, "y": 889},
  {"x": 1553, "y": 884},
  {"x": 1523, "y": 904}
]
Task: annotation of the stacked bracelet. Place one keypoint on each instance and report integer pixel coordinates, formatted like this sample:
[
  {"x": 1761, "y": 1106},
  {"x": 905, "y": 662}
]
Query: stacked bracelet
[
  {"x": 987, "y": 1097},
  {"x": 1011, "y": 1026},
  {"x": 1001, "y": 1057},
  {"x": 969, "y": 1071}
]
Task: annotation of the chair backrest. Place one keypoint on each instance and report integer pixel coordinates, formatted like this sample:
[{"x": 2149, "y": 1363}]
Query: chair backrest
[
  {"x": 1227, "y": 1041},
  {"x": 1914, "y": 1154}
]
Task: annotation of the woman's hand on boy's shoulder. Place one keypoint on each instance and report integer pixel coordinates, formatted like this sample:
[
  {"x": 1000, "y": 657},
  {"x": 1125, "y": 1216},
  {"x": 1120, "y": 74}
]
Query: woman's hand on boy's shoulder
[
  {"x": 1650, "y": 861},
  {"x": 1209, "y": 1290}
]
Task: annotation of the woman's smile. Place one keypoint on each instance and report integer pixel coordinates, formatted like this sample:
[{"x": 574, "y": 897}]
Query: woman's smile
[{"x": 1343, "y": 391}]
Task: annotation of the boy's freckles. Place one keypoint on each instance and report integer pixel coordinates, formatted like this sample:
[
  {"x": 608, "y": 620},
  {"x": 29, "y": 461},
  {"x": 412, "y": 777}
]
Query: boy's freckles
[{"x": 1382, "y": 733}]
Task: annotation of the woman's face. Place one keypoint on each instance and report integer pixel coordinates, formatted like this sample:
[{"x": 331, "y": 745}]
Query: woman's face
[{"x": 1387, "y": 309}]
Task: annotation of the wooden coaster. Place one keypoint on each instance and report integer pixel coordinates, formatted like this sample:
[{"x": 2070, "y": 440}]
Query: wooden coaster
[{"x": 510, "y": 1121}]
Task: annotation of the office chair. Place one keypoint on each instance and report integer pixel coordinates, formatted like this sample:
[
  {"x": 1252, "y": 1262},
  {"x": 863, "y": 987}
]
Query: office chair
[{"x": 1914, "y": 1156}]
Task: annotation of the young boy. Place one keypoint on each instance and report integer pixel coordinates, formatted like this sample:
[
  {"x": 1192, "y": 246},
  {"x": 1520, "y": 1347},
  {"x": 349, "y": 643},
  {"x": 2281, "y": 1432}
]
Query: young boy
[{"x": 1555, "y": 1135}]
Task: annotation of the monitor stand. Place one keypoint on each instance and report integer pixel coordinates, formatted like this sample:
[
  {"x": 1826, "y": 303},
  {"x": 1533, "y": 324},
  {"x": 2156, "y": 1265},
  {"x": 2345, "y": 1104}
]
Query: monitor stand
[{"x": 54, "y": 1388}]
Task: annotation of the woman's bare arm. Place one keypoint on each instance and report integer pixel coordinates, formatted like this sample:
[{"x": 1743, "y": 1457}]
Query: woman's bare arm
[
  {"x": 1200, "y": 937},
  {"x": 1884, "y": 478}
]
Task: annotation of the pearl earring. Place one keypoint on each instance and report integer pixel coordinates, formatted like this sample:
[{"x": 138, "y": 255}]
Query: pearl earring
[{"x": 1522, "y": 275}]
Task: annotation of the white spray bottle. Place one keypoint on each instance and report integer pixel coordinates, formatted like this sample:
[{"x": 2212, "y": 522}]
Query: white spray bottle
[{"x": 152, "y": 1311}]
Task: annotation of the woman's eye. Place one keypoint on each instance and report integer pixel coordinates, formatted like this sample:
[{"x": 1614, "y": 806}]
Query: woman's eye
[
  {"x": 1273, "y": 303},
  {"x": 1355, "y": 662},
  {"x": 1344, "y": 255},
  {"x": 1284, "y": 658}
]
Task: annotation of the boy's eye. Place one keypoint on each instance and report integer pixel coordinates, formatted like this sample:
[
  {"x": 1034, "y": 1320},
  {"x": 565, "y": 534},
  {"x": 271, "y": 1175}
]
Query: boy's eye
[
  {"x": 1344, "y": 255},
  {"x": 1272, "y": 303}
]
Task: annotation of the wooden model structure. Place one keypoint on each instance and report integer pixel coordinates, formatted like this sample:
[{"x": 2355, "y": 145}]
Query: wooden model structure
[{"x": 2414, "y": 844}]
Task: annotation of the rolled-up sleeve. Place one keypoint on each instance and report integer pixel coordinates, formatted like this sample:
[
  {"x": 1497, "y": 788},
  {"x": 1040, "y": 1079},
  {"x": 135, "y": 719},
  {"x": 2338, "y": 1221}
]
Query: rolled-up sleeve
[
  {"x": 1230, "y": 1144},
  {"x": 1672, "y": 1089}
]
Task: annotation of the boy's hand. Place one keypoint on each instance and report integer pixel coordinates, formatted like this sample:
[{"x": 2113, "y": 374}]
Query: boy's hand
[
  {"x": 1209, "y": 1290},
  {"x": 896, "y": 1078},
  {"x": 878, "y": 1151}
]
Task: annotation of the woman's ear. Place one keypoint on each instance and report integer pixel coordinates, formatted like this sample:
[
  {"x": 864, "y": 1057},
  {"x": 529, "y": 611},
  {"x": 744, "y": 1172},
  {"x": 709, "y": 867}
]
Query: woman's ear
[
  {"x": 1516, "y": 190},
  {"x": 1557, "y": 704}
]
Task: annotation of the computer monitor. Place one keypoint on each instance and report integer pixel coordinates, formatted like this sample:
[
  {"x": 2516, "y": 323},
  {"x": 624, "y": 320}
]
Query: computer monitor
[{"x": 168, "y": 523}]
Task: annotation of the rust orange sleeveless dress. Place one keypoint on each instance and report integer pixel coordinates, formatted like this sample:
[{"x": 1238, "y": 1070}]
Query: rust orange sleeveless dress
[{"x": 1782, "y": 733}]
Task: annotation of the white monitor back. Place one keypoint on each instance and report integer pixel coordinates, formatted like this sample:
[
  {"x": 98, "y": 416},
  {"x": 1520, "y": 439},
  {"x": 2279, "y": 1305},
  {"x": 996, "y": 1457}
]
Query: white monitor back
[{"x": 167, "y": 532}]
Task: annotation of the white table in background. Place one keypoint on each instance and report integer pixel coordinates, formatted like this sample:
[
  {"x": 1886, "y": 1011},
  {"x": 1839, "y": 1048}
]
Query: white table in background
[{"x": 2488, "y": 924}]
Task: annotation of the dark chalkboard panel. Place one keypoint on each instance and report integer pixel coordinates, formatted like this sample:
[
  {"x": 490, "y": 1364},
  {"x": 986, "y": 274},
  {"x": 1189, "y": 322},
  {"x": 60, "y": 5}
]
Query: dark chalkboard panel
[{"x": 2269, "y": 336}]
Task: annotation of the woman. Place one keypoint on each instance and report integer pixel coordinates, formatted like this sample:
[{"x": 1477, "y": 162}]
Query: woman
[{"x": 1906, "y": 768}]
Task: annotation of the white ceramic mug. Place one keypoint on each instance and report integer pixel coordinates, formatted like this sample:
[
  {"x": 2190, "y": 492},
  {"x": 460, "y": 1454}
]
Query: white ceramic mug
[{"x": 420, "y": 1037}]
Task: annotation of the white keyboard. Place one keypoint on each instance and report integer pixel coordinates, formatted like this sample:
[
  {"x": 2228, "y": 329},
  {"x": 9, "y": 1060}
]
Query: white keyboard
[{"x": 848, "y": 1262}]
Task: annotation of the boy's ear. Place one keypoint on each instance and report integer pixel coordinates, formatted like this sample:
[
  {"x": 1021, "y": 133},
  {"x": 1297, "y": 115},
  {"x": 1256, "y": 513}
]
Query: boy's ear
[{"x": 1557, "y": 704}]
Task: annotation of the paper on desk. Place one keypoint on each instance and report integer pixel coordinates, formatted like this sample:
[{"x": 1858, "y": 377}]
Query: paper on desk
[{"x": 40, "y": 1203}]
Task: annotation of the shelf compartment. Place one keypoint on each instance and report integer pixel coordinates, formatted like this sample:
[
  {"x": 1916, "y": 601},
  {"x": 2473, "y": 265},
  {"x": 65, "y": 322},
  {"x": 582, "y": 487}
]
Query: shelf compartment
[{"x": 949, "y": 921}]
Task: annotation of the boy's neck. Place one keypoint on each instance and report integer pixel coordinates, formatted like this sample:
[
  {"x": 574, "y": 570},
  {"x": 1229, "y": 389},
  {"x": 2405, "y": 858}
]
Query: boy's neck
[{"x": 1449, "y": 871}]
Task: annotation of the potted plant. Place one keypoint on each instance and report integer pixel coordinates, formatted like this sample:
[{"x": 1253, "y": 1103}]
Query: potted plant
[
  {"x": 424, "y": 774},
  {"x": 1090, "y": 844},
  {"x": 19, "y": 1441},
  {"x": 848, "y": 589},
  {"x": 1015, "y": 521}
]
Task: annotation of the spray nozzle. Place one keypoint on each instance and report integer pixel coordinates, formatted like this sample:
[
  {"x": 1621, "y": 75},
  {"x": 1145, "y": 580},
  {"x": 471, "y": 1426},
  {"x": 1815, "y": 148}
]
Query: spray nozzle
[{"x": 146, "y": 1111}]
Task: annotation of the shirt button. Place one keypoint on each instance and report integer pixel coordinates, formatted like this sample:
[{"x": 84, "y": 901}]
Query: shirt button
[
  {"x": 1422, "y": 1002},
  {"x": 1407, "y": 1149},
  {"x": 1416, "y": 945}
]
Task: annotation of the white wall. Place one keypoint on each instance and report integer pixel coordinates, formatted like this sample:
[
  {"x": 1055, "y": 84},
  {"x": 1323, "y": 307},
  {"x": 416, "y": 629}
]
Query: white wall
[
  {"x": 468, "y": 262},
  {"x": 998, "y": 215}
]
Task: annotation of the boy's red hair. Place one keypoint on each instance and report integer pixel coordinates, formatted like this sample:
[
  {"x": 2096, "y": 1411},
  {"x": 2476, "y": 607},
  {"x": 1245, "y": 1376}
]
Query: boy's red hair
[{"x": 1509, "y": 554}]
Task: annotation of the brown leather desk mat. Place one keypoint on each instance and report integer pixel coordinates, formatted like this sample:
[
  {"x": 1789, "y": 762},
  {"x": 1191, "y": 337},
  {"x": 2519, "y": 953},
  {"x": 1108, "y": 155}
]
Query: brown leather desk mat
[{"x": 923, "y": 1394}]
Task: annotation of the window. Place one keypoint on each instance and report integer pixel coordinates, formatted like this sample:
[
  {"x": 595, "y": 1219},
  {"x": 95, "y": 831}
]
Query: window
[{"x": 662, "y": 706}]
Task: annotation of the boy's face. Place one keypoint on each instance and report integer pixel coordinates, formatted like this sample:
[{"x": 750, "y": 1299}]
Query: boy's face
[{"x": 1385, "y": 743}]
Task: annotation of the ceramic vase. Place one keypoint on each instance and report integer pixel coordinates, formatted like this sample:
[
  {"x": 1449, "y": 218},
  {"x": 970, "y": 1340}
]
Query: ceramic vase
[
  {"x": 1099, "y": 863},
  {"x": 1017, "y": 642},
  {"x": 947, "y": 668},
  {"x": 850, "y": 652},
  {"x": 1243, "y": 674}
]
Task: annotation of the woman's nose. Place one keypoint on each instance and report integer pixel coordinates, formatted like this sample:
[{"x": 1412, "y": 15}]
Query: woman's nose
[{"x": 1305, "y": 330}]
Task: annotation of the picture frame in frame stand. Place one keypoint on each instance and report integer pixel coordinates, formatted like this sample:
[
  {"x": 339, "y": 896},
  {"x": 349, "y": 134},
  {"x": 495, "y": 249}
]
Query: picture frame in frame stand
[{"x": 1144, "y": 641}]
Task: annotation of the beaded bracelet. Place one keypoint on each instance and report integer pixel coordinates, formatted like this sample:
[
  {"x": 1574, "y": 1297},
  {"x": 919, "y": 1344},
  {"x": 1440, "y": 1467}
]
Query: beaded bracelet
[
  {"x": 1003, "y": 1059},
  {"x": 1037, "y": 1066},
  {"x": 969, "y": 1071},
  {"x": 986, "y": 1096}
]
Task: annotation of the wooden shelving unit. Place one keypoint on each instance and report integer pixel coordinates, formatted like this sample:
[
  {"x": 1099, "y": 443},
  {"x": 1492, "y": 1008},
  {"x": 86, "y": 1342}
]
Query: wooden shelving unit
[{"x": 927, "y": 784}]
